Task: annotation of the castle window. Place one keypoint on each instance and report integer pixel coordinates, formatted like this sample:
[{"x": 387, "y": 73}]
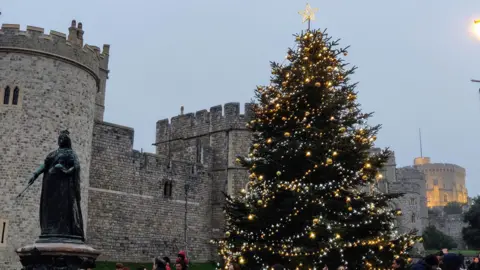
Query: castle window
[
  {"x": 445, "y": 197},
  {"x": 6, "y": 96},
  {"x": 16, "y": 93},
  {"x": 167, "y": 189},
  {"x": 435, "y": 182},
  {"x": 413, "y": 218},
  {"x": 199, "y": 154},
  {"x": 412, "y": 201},
  {"x": 3, "y": 232}
]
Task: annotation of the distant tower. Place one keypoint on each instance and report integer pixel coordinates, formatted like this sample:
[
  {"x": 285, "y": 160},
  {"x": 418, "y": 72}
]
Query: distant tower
[
  {"x": 444, "y": 182},
  {"x": 48, "y": 82}
]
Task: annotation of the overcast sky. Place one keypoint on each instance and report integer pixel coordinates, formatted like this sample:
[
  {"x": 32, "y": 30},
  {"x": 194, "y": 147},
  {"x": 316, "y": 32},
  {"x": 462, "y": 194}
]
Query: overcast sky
[{"x": 415, "y": 59}]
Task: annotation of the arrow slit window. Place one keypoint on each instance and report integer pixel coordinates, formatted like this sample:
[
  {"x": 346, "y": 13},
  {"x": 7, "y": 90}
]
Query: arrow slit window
[
  {"x": 16, "y": 93},
  {"x": 167, "y": 189},
  {"x": 6, "y": 96},
  {"x": 3, "y": 232}
]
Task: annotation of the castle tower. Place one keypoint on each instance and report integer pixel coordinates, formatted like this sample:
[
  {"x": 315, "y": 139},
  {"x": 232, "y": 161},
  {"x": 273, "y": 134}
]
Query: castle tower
[
  {"x": 221, "y": 134},
  {"x": 48, "y": 82},
  {"x": 444, "y": 182}
]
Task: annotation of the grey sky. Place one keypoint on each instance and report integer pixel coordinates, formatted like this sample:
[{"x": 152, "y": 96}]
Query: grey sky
[{"x": 415, "y": 59}]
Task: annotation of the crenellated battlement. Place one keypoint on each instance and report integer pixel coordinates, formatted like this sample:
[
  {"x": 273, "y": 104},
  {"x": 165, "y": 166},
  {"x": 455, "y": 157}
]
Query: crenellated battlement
[
  {"x": 441, "y": 167},
  {"x": 69, "y": 47},
  {"x": 218, "y": 118},
  {"x": 407, "y": 187},
  {"x": 408, "y": 174},
  {"x": 409, "y": 180}
]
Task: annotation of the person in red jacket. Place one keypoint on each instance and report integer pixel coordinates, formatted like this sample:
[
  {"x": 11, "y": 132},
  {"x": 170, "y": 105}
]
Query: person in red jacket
[{"x": 182, "y": 259}]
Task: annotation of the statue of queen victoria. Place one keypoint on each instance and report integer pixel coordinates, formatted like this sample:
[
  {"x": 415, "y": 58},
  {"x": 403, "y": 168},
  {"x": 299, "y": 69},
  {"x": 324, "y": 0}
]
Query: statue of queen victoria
[{"x": 60, "y": 212}]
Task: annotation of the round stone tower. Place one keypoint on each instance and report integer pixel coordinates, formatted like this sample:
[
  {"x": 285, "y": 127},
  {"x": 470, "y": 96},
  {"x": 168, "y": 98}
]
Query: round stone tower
[
  {"x": 445, "y": 182},
  {"x": 48, "y": 82}
]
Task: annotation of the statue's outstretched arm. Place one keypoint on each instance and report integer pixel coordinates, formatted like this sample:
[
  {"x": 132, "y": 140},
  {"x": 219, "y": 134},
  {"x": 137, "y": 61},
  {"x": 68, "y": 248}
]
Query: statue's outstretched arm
[
  {"x": 39, "y": 170},
  {"x": 37, "y": 173}
]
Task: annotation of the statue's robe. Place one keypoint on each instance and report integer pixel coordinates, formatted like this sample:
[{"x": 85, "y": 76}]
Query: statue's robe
[{"x": 60, "y": 211}]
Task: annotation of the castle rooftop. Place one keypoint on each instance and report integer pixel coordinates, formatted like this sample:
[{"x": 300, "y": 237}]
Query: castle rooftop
[
  {"x": 424, "y": 163},
  {"x": 69, "y": 48}
]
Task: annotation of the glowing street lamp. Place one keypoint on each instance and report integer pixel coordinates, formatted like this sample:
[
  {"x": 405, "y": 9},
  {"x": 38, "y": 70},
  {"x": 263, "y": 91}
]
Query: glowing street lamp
[{"x": 476, "y": 27}]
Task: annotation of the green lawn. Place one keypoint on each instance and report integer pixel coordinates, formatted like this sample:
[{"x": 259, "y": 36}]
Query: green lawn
[
  {"x": 135, "y": 266},
  {"x": 463, "y": 252}
]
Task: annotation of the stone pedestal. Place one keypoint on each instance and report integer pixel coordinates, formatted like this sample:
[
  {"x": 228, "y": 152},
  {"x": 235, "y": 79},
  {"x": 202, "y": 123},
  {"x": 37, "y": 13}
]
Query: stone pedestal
[{"x": 57, "y": 256}]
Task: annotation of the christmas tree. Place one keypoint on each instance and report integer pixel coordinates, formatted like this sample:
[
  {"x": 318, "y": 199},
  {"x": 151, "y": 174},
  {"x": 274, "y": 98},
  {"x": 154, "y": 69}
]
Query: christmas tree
[{"x": 312, "y": 197}]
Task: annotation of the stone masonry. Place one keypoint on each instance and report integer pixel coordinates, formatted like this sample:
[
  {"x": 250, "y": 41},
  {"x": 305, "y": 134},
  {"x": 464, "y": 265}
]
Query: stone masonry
[
  {"x": 133, "y": 217},
  {"x": 413, "y": 204},
  {"x": 450, "y": 224}
]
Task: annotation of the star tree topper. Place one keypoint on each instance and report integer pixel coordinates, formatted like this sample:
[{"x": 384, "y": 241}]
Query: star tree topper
[{"x": 308, "y": 14}]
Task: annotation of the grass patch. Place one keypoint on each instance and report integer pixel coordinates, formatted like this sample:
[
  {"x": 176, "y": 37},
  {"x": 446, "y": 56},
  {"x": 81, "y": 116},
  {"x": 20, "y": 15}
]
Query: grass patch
[
  {"x": 135, "y": 266},
  {"x": 470, "y": 253}
]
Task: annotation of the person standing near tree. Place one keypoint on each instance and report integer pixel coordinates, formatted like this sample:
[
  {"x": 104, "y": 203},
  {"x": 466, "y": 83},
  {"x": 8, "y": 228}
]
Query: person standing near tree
[
  {"x": 451, "y": 261},
  {"x": 167, "y": 263},
  {"x": 182, "y": 259},
  {"x": 475, "y": 265},
  {"x": 180, "y": 266},
  {"x": 430, "y": 262},
  {"x": 399, "y": 263},
  {"x": 159, "y": 264}
]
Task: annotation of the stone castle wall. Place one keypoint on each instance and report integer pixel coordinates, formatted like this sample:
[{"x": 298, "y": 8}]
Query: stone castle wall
[
  {"x": 127, "y": 187},
  {"x": 444, "y": 183},
  {"x": 131, "y": 218},
  {"x": 68, "y": 48},
  {"x": 222, "y": 128},
  {"x": 413, "y": 203},
  {"x": 57, "y": 85},
  {"x": 451, "y": 225}
]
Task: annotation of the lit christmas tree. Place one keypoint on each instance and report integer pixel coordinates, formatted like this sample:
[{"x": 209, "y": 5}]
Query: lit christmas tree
[{"x": 312, "y": 197}]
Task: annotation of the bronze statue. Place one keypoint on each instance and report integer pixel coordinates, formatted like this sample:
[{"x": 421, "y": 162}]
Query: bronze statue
[{"x": 60, "y": 212}]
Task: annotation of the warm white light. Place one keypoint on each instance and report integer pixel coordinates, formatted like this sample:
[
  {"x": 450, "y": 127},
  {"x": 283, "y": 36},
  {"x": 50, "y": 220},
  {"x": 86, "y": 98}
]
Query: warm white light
[{"x": 476, "y": 28}]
